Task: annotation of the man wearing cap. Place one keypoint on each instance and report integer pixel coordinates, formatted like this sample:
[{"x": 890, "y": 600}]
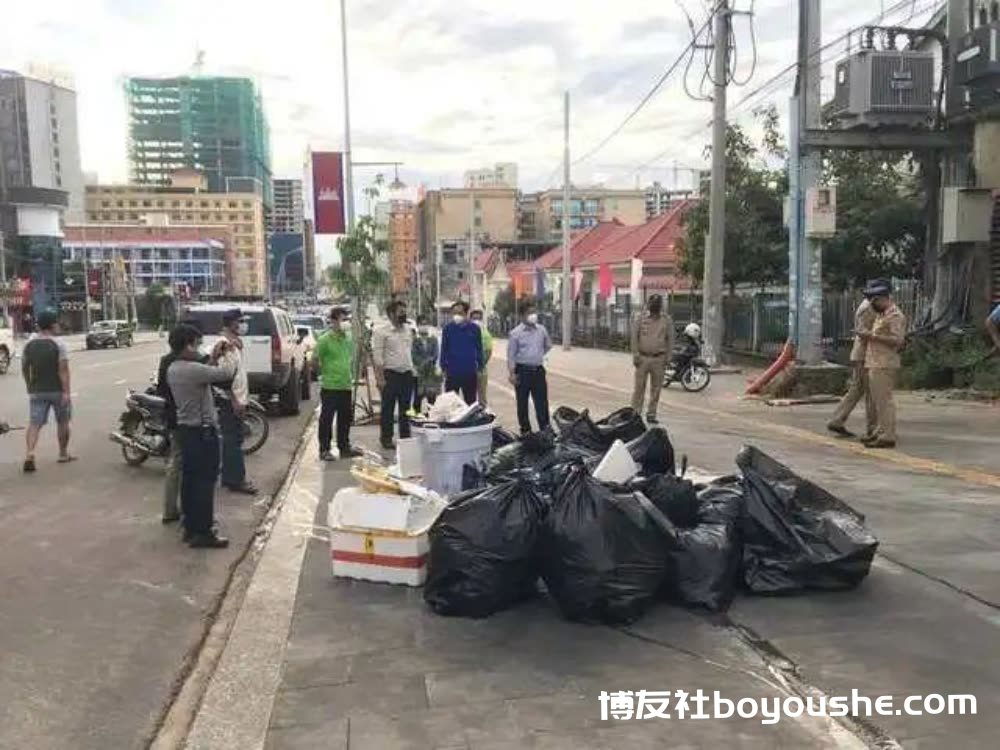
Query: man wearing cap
[
  {"x": 45, "y": 367},
  {"x": 652, "y": 346},
  {"x": 234, "y": 467},
  {"x": 864, "y": 319},
  {"x": 883, "y": 345}
]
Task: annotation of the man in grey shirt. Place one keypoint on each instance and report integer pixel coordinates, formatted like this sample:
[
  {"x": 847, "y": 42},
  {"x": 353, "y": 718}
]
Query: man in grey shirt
[
  {"x": 392, "y": 351},
  {"x": 190, "y": 384},
  {"x": 526, "y": 349}
]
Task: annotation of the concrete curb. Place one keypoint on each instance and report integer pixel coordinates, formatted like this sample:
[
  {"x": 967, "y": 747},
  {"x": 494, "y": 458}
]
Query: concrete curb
[
  {"x": 236, "y": 708},
  {"x": 191, "y": 699}
]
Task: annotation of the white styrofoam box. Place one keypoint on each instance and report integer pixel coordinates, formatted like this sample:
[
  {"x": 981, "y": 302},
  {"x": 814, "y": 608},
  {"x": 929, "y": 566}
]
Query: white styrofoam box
[
  {"x": 377, "y": 557},
  {"x": 617, "y": 466},
  {"x": 354, "y": 508},
  {"x": 409, "y": 457}
]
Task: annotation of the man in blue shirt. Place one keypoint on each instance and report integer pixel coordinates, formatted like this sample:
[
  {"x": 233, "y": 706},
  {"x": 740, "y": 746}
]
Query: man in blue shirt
[
  {"x": 993, "y": 328},
  {"x": 462, "y": 353},
  {"x": 526, "y": 349}
]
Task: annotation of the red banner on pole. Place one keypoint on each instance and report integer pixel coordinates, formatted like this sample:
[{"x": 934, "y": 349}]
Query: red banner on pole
[{"x": 328, "y": 191}]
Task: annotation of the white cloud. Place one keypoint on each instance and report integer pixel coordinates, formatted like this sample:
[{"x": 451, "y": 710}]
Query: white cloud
[{"x": 439, "y": 84}]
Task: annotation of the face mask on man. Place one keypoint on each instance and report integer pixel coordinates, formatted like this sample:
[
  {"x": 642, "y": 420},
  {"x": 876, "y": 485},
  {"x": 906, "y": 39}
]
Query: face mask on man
[
  {"x": 458, "y": 318},
  {"x": 532, "y": 319},
  {"x": 655, "y": 308},
  {"x": 242, "y": 328},
  {"x": 400, "y": 318},
  {"x": 422, "y": 330}
]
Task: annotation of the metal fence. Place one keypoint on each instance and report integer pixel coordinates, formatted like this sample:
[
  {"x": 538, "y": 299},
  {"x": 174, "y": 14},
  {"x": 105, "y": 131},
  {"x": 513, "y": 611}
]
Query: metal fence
[{"x": 754, "y": 323}]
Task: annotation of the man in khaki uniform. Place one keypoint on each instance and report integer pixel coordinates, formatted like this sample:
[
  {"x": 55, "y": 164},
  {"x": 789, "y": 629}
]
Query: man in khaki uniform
[
  {"x": 882, "y": 361},
  {"x": 864, "y": 319},
  {"x": 652, "y": 346}
]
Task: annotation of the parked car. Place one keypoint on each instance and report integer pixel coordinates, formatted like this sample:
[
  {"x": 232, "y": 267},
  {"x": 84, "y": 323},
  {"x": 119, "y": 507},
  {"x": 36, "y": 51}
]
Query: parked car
[
  {"x": 105, "y": 333},
  {"x": 275, "y": 359},
  {"x": 7, "y": 350}
]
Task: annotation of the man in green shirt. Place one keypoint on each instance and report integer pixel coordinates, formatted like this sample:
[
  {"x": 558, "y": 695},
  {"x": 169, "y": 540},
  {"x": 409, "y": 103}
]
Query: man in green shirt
[
  {"x": 483, "y": 382},
  {"x": 334, "y": 357}
]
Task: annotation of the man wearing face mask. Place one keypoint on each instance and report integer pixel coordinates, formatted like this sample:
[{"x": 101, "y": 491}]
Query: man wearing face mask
[
  {"x": 334, "y": 358},
  {"x": 234, "y": 467},
  {"x": 483, "y": 377},
  {"x": 526, "y": 349},
  {"x": 425, "y": 361},
  {"x": 652, "y": 347},
  {"x": 392, "y": 351},
  {"x": 462, "y": 353},
  {"x": 882, "y": 361}
]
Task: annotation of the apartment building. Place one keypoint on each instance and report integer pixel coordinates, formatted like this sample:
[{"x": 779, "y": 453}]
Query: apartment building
[
  {"x": 502, "y": 175},
  {"x": 287, "y": 215},
  {"x": 661, "y": 200},
  {"x": 185, "y": 202},
  {"x": 541, "y": 213}
]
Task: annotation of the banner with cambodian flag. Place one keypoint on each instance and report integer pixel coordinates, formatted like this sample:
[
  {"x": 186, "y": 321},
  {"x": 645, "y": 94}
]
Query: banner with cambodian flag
[{"x": 605, "y": 281}]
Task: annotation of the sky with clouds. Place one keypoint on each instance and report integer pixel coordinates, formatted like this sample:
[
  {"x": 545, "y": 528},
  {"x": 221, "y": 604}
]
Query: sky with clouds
[{"x": 442, "y": 85}]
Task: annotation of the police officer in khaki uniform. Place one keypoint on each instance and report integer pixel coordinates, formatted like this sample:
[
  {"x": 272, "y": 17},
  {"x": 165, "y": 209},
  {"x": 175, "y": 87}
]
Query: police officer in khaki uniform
[
  {"x": 652, "y": 347},
  {"x": 882, "y": 361},
  {"x": 864, "y": 319}
]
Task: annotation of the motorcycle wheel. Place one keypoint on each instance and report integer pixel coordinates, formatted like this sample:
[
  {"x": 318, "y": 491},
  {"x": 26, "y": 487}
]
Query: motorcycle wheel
[
  {"x": 256, "y": 428},
  {"x": 134, "y": 457},
  {"x": 696, "y": 378}
]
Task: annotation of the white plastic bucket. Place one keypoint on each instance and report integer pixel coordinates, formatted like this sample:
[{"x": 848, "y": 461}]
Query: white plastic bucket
[{"x": 445, "y": 450}]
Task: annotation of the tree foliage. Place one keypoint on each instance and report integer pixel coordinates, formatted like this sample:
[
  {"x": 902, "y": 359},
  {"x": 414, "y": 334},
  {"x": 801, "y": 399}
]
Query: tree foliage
[
  {"x": 881, "y": 226},
  {"x": 756, "y": 240},
  {"x": 361, "y": 273}
]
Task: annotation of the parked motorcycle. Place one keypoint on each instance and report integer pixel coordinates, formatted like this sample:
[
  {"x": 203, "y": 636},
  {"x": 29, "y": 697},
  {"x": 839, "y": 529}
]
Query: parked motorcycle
[
  {"x": 143, "y": 433},
  {"x": 687, "y": 366}
]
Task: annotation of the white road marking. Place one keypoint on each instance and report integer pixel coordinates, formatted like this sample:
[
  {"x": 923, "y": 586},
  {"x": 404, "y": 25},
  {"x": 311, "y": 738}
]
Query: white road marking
[{"x": 123, "y": 381}]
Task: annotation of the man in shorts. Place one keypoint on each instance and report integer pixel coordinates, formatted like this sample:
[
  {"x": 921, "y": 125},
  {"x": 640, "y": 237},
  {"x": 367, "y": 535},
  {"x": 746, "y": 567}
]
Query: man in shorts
[{"x": 45, "y": 366}]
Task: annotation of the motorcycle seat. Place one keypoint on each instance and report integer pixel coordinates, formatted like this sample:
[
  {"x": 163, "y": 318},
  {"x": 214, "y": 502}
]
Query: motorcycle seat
[{"x": 152, "y": 403}]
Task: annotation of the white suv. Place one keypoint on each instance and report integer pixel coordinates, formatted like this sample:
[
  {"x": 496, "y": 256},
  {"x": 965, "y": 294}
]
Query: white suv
[
  {"x": 7, "y": 350},
  {"x": 274, "y": 357}
]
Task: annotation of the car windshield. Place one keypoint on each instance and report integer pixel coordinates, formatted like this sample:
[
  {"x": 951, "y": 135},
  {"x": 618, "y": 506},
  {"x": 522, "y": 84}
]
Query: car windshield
[
  {"x": 103, "y": 325},
  {"x": 209, "y": 322},
  {"x": 315, "y": 322}
]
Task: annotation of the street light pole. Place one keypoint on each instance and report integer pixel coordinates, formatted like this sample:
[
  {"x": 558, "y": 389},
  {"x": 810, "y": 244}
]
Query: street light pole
[
  {"x": 348, "y": 177},
  {"x": 472, "y": 247},
  {"x": 567, "y": 291}
]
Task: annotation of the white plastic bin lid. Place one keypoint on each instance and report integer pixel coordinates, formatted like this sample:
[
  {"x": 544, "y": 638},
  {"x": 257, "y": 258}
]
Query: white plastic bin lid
[
  {"x": 617, "y": 466},
  {"x": 353, "y": 508}
]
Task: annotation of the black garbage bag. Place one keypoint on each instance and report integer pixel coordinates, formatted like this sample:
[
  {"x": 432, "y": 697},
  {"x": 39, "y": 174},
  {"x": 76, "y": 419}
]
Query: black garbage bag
[
  {"x": 520, "y": 454},
  {"x": 624, "y": 424},
  {"x": 472, "y": 478},
  {"x": 578, "y": 429},
  {"x": 674, "y": 497},
  {"x": 483, "y": 551},
  {"x": 502, "y": 438},
  {"x": 475, "y": 417},
  {"x": 721, "y": 501},
  {"x": 654, "y": 452},
  {"x": 796, "y": 535},
  {"x": 604, "y": 556}
]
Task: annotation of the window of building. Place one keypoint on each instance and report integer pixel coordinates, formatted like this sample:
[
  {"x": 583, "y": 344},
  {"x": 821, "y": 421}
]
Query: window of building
[
  {"x": 234, "y": 217},
  {"x": 478, "y": 221},
  {"x": 188, "y": 217},
  {"x": 218, "y": 204},
  {"x": 133, "y": 204},
  {"x": 105, "y": 204},
  {"x": 58, "y": 181},
  {"x": 247, "y": 204},
  {"x": 232, "y": 204},
  {"x": 120, "y": 204},
  {"x": 188, "y": 204},
  {"x": 204, "y": 217},
  {"x": 120, "y": 216},
  {"x": 147, "y": 204},
  {"x": 175, "y": 204}
]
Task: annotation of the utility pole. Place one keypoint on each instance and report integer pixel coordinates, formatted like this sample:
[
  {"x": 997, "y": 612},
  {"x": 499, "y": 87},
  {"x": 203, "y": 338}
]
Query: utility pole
[
  {"x": 438, "y": 252},
  {"x": 472, "y": 247},
  {"x": 805, "y": 307},
  {"x": 716, "y": 250},
  {"x": 348, "y": 177},
  {"x": 567, "y": 290},
  {"x": 86, "y": 282}
]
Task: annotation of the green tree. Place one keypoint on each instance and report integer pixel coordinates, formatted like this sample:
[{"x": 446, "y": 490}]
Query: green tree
[
  {"x": 756, "y": 239},
  {"x": 881, "y": 226},
  {"x": 361, "y": 273},
  {"x": 150, "y": 307}
]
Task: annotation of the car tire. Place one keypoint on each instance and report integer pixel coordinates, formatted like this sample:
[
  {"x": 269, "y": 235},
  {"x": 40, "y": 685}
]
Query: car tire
[
  {"x": 90, "y": 346},
  {"x": 289, "y": 395},
  {"x": 4, "y": 360},
  {"x": 306, "y": 387}
]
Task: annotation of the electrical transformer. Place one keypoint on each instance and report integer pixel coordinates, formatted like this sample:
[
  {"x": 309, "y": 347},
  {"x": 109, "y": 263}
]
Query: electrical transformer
[{"x": 885, "y": 87}]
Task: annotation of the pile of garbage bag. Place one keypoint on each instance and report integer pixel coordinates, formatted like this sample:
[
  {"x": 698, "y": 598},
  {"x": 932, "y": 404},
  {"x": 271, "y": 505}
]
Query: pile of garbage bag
[{"x": 608, "y": 550}]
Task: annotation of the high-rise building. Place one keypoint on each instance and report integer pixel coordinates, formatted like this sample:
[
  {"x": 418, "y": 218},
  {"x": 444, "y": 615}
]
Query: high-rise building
[
  {"x": 213, "y": 124},
  {"x": 39, "y": 138},
  {"x": 503, "y": 175},
  {"x": 540, "y": 214},
  {"x": 287, "y": 213},
  {"x": 188, "y": 201},
  {"x": 402, "y": 244},
  {"x": 661, "y": 200}
]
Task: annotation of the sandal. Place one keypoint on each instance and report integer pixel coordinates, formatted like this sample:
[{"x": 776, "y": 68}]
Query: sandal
[{"x": 66, "y": 459}]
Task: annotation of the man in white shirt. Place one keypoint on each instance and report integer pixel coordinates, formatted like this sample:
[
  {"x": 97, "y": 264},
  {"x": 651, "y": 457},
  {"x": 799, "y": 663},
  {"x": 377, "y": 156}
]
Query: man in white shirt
[
  {"x": 234, "y": 468},
  {"x": 392, "y": 352}
]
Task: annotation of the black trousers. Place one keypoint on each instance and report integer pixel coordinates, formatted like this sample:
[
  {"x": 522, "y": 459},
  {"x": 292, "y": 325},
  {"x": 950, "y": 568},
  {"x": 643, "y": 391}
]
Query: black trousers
[
  {"x": 397, "y": 394},
  {"x": 531, "y": 383},
  {"x": 199, "y": 473},
  {"x": 335, "y": 404},
  {"x": 419, "y": 395},
  {"x": 467, "y": 385}
]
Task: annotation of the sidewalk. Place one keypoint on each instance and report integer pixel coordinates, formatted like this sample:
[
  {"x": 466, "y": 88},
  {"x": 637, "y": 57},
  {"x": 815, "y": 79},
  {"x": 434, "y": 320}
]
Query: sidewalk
[{"x": 342, "y": 664}]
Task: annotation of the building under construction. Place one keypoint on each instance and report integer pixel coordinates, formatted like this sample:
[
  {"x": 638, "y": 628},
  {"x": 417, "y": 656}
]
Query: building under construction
[{"x": 213, "y": 124}]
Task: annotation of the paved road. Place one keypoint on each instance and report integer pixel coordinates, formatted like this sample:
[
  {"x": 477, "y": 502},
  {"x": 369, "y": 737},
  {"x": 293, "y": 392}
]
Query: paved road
[{"x": 101, "y": 603}]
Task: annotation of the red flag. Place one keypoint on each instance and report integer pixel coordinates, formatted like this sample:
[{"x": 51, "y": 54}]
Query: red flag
[
  {"x": 605, "y": 281},
  {"x": 328, "y": 191}
]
